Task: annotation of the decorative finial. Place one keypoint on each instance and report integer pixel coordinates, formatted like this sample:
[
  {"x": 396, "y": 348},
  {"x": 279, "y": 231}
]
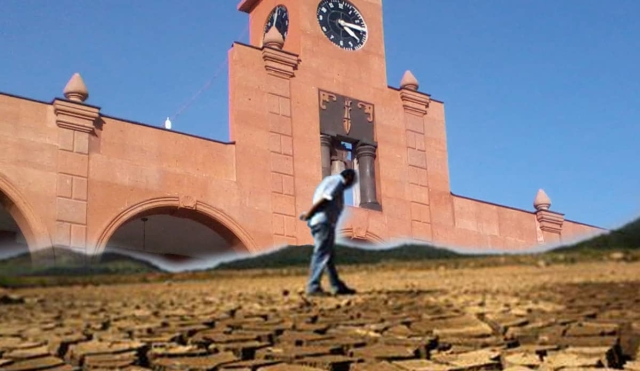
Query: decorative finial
[
  {"x": 542, "y": 201},
  {"x": 409, "y": 81},
  {"x": 273, "y": 39},
  {"x": 167, "y": 124},
  {"x": 76, "y": 90}
]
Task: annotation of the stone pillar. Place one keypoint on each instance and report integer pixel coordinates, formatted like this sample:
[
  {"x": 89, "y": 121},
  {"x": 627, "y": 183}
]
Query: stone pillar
[
  {"x": 366, "y": 155},
  {"x": 415, "y": 106},
  {"x": 339, "y": 157},
  {"x": 326, "y": 142},
  {"x": 75, "y": 121},
  {"x": 549, "y": 223},
  {"x": 337, "y": 166},
  {"x": 356, "y": 190},
  {"x": 280, "y": 67}
]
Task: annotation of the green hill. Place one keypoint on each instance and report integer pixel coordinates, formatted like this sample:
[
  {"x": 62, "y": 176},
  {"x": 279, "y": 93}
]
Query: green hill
[
  {"x": 298, "y": 256},
  {"x": 71, "y": 263},
  {"x": 626, "y": 237},
  {"x": 113, "y": 266}
]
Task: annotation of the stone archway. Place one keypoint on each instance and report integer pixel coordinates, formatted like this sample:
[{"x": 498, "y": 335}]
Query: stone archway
[
  {"x": 31, "y": 227},
  {"x": 204, "y": 219}
]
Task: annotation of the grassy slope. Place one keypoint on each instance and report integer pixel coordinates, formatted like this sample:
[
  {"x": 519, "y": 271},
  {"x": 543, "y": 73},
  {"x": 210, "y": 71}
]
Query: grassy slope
[
  {"x": 626, "y": 238},
  {"x": 298, "y": 256},
  {"x": 71, "y": 263},
  {"x": 70, "y": 267}
]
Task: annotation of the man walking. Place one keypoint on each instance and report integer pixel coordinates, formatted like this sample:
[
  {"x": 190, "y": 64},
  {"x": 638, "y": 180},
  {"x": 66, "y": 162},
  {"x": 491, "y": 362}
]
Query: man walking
[{"x": 322, "y": 218}]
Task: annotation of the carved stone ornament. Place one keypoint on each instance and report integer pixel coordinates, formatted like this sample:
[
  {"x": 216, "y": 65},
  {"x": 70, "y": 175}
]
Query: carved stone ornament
[
  {"x": 188, "y": 202},
  {"x": 273, "y": 39},
  {"x": 280, "y": 63},
  {"x": 76, "y": 90},
  {"x": 409, "y": 81},
  {"x": 542, "y": 201},
  {"x": 346, "y": 118},
  {"x": 74, "y": 116},
  {"x": 414, "y": 102},
  {"x": 550, "y": 221},
  {"x": 326, "y": 97}
]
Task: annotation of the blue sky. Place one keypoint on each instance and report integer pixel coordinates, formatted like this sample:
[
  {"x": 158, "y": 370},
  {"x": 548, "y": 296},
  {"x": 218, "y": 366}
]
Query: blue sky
[{"x": 538, "y": 94}]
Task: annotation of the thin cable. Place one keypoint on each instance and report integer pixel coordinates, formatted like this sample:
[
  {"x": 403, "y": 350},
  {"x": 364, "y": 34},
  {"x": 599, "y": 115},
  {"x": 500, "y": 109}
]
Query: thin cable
[{"x": 208, "y": 84}]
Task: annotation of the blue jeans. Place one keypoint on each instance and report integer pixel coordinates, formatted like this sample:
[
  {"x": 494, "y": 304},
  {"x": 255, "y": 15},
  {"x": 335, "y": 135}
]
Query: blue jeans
[{"x": 323, "y": 258}]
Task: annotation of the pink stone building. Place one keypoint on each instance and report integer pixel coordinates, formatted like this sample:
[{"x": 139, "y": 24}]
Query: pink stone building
[{"x": 308, "y": 97}]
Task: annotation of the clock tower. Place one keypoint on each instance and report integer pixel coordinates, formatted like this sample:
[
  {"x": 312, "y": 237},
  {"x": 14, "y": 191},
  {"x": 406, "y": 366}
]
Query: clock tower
[
  {"x": 309, "y": 97},
  {"x": 342, "y": 38}
]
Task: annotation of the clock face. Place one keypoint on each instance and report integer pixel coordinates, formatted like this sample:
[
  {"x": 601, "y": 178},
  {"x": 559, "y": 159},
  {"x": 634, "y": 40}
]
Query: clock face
[
  {"x": 342, "y": 24},
  {"x": 279, "y": 17}
]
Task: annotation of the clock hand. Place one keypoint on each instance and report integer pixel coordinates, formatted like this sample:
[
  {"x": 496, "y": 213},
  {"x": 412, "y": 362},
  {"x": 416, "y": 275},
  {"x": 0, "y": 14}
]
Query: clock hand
[
  {"x": 351, "y": 33},
  {"x": 351, "y": 25}
]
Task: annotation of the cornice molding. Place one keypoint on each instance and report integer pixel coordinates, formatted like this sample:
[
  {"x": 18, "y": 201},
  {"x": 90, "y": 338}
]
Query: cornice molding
[
  {"x": 75, "y": 116},
  {"x": 414, "y": 102},
  {"x": 279, "y": 63}
]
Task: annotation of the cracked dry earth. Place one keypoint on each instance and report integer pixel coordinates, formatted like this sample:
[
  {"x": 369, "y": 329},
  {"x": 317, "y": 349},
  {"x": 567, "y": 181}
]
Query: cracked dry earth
[{"x": 583, "y": 316}]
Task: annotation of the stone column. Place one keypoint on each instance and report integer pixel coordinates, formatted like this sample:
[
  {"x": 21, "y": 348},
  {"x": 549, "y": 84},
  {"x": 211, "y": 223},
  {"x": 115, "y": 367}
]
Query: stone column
[
  {"x": 366, "y": 155},
  {"x": 356, "y": 190},
  {"x": 280, "y": 67},
  {"x": 548, "y": 222},
  {"x": 75, "y": 121},
  {"x": 415, "y": 106},
  {"x": 337, "y": 166},
  {"x": 326, "y": 143},
  {"x": 339, "y": 157}
]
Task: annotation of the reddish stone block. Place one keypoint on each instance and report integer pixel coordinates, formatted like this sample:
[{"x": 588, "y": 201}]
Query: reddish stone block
[
  {"x": 420, "y": 142},
  {"x": 79, "y": 189},
  {"x": 65, "y": 139},
  {"x": 282, "y": 164},
  {"x": 421, "y": 230},
  {"x": 411, "y": 139},
  {"x": 282, "y": 204},
  {"x": 420, "y": 213},
  {"x": 64, "y": 188},
  {"x": 279, "y": 124},
  {"x": 279, "y": 86},
  {"x": 81, "y": 142},
  {"x": 287, "y": 145},
  {"x": 274, "y": 143},
  {"x": 285, "y": 106},
  {"x": 62, "y": 234},
  {"x": 418, "y": 176},
  {"x": 290, "y": 226},
  {"x": 414, "y": 123},
  {"x": 72, "y": 211},
  {"x": 419, "y": 194},
  {"x": 276, "y": 183},
  {"x": 273, "y": 103},
  {"x": 278, "y": 224},
  {"x": 416, "y": 158},
  {"x": 73, "y": 163},
  {"x": 78, "y": 236},
  {"x": 287, "y": 185}
]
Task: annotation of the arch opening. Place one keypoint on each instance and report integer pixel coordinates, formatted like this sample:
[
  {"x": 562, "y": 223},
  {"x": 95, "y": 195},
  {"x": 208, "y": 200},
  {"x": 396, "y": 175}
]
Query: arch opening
[
  {"x": 13, "y": 239},
  {"x": 22, "y": 227},
  {"x": 174, "y": 238}
]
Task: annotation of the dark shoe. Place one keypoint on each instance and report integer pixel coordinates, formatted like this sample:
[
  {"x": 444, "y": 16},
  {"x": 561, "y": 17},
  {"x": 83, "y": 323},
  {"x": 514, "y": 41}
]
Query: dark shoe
[
  {"x": 317, "y": 293},
  {"x": 344, "y": 291}
]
